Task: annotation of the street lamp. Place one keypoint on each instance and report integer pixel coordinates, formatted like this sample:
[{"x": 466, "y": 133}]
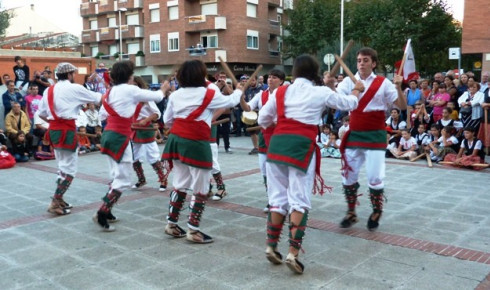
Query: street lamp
[
  {"x": 342, "y": 29},
  {"x": 120, "y": 32}
]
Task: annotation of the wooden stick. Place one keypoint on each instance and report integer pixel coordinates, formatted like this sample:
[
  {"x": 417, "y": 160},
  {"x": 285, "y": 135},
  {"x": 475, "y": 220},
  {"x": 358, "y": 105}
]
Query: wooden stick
[
  {"x": 418, "y": 157},
  {"x": 86, "y": 134},
  {"x": 256, "y": 72},
  {"x": 483, "y": 165},
  {"x": 144, "y": 128},
  {"x": 255, "y": 128},
  {"x": 485, "y": 132},
  {"x": 228, "y": 71},
  {"x": 346, "y": 68},
  {"x": 429, "y": 162},
  {"x": 336, "y": 66},
  {"x": 220, "y": 121}
]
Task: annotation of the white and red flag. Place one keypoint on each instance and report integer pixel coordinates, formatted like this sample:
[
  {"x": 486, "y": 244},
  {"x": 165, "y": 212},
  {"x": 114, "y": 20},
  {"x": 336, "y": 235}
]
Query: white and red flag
[{"x": 408, "y": 62}]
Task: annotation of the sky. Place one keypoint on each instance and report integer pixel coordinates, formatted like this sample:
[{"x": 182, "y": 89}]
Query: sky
[{"x": 66, "y": 13}]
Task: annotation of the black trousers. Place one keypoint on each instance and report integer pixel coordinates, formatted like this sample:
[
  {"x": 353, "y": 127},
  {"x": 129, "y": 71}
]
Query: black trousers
[{"x": 224, "y": 131}]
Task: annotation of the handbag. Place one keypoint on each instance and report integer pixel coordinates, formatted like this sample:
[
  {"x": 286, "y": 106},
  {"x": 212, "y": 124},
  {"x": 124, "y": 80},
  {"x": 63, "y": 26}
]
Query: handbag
[{"x": 465, "y": 110}]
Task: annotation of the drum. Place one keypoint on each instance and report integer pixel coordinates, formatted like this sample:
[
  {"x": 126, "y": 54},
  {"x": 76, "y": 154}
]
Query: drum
[{"x": 249, "y": 118}]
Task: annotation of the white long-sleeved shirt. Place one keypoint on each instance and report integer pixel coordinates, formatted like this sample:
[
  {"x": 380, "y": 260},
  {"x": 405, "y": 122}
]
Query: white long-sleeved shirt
[
  {"x": 384, "y": 97},
  {"x": 123, "y": 99},
  {"x": 149, "y": 109},
  {"x": 305, "y": 103},
  {"x": 68, "y": 98},
  {"x": 478, "y": 98},
  {"x": 185, "y": 100}
]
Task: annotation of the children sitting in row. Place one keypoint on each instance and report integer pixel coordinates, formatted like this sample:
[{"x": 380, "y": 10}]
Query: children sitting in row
[
  {"x": 446, "y": 144},
  {"x": 329, "y": 143},
  {"x": 470, "y": 153},
  {"x": 407, "y": 149},
  {"x": 44, "y": 151}
]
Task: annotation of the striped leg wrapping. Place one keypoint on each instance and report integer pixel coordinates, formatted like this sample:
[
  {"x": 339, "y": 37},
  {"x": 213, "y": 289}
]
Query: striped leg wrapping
[
  {"x": 109, "y": 200},
  {"x": 219, "y": 181},
  {"x": 296, "y": 239},
  {"x": 158, "y": 167},
  {"x": 177, "y": 199},
  {"x": 377, "y": 199},
  {"x": 197, "y": 208},
  {"x": 63, "y": 182},
  {"x": 139, "y": 172},
  {"x": 273, "y": 232},
  {"x": 350, "y": 192}
]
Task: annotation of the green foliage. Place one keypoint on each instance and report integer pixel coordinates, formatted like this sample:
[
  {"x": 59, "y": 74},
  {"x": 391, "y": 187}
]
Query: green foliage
[
  {"x": 5, "y": 17},
  {"x": 384, "y": 25},
  {"x": 99, "y": 54},
  {"x": 140, "y": 53},
  {"x": 116, "y": 55}
]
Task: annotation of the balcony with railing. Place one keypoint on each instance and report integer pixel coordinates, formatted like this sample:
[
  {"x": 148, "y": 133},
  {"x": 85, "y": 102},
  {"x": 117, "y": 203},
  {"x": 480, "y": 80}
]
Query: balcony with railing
[
  {"x": 198, "y": 23},
  {"x": 88, "y": 9},
  {"x": 106, "y": 6},
  {"x": 90, "y": 36},
  {"x": 112, "y": 33},
  {"x": 130, "y": 4},
  {"x": 275, "y": 3}
]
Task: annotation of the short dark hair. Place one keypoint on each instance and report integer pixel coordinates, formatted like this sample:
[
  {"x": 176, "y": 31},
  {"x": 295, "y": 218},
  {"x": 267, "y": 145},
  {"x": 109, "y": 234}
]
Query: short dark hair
[
  {"x": 121, "y": 72},
  {"x": 369, "y": 52},
  {"x": 469, "y": 129},
  {"x": 435, "y": 126},
  {"x": 31, "y": 85},
  {"x": 449, "y": 77},
  {"x": 17, "y": 58},
  {"x": 192, "y": 73},
  {"x": 306, "y": 66},
  {"x": 449, "y": 110},
  {"x": 9, "y": 81},
  {"x": 277, "y": 73},
  {"x": 395, "y": 109},
  {"x": 63, "y": 76}
]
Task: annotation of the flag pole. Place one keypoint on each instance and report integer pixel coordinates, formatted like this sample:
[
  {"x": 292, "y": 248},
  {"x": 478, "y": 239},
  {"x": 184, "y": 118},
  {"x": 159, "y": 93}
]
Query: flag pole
[{"x": 404, "y": 58}]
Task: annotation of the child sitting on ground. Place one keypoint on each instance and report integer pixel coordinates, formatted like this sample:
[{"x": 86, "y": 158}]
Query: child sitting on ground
[
  {"x": 324, "y": 136},
  {"x": 345, "y": 126},
  {"x": 422, "y": 138},
  {"x": 19, "y": 148},
  {"x": 83, "y": 141},
  {"x": 44, "y": 151},
  {"x": 471, "y": 151},
  {"x": 407, "y": 147},
  {"x": 95, "y": 140},
  {"x": 446, "y": 144},
  {"x": 331, "y": 148}
]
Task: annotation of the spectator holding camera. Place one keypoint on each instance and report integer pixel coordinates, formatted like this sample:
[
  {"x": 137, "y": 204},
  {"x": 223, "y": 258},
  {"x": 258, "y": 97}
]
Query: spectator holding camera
[
  {"x": 97, "y": 78},
  {"x": 40, "y": 81}
]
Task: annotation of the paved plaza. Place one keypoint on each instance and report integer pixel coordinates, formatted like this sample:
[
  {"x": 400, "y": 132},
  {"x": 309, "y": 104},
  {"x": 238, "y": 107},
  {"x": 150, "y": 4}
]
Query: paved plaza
[{"x": 434, "y": 234}]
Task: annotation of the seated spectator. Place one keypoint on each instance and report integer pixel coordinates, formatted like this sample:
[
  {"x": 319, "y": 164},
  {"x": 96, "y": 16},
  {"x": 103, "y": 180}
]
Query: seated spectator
[
  {"x": 95, "y": 141},
  {"x": 83, "y": 141},
  {"x": 434, "y": 135},
  {"x": 394, "y": 125},
  {"x": 32, "y": 101},
  {"x": 81, "y": 119},
  {"x": 407, "y": 148},
  {"x": 40, "y": 126},
  {"x": 439, "y": 102},
  {"x": 324, "y": 135},
  {"x": 44, "y": 150},
  {"x": 17, "y": 121},
  {"x": 471, "y": 151},
  {"x": 345, "y": 126},
  {"x": 447, "y": 121},
  {"x": 446, "y": 144},
  {"x": 422, "y": 138},
  {"x": 93, "y": 119},
  {"x": 10, "y": 97},
  {"x": 20, "y": 150},
  {"x": 331, "y": 147},
  {"x": 418, "y": 116},
  {"x": 454, "y": 115}
]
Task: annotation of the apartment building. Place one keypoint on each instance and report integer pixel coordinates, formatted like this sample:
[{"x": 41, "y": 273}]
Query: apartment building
[
  {"x": 476, "y": 35},
  {"x": 245, "y": 33}
]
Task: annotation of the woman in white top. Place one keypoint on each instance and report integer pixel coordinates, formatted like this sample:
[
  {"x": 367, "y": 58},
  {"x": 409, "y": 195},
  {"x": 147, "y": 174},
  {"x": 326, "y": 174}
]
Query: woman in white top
[{"x": 471, "y": 110}]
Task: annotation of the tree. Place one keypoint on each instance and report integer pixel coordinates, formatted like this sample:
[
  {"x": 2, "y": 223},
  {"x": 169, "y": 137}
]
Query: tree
[
  {"x": 312, "y": 24},
  {"x": 387, "y": 24},
  {"x": 5, "y": 16}
]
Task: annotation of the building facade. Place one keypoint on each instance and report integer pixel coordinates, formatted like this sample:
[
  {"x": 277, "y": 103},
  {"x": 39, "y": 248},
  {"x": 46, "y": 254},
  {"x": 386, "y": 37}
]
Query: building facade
[
  {"x": 476, "y": 35},
  {"x": 244, "y": 33}
]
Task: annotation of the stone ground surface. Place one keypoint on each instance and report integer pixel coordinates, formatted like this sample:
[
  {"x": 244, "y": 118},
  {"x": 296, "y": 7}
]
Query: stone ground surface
[{"x": 434, "y": 234}]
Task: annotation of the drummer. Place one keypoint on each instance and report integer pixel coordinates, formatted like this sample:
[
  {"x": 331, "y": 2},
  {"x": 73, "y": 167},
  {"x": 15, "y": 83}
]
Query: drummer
[
  {"x": 253, "y": 90},
  {"x": 275, "y": 79}
]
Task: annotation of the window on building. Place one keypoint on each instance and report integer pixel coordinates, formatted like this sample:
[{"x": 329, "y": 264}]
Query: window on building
[
  {"x": 94, "y": 50},
  {"x": 252, "y": 39},
  {"x": 93, "y": 24},
  {"x": 209, "y": 40},
  {"x": 251, "y": 10},
  {"x": 112, "y": 49},
  {"x": 155, "y": 15},
  {"x": 209, "y": 9},
  {"x": 133, "y": 48},
  {"x": 173, "y": 41},
  {"x": 111, "y": 22},
  {"x": 154, "y": 43},
  {"x": 173, "y": 12},
  {"x": 132, "y": 19}
]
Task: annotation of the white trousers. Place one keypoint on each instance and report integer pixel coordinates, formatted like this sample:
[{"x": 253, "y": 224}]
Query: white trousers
[
  {"x": 67, "y": 161},
  {"x": 288, "y": 188},
  {"x": 122, "y": 173},
  {"x": 214, "y": 151},
  {"x": 187, "y": 177},
  {"x": 375, "y": 167},
  {"x": 262, "y": 162},
  {"x": 146, "y": 151}
]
